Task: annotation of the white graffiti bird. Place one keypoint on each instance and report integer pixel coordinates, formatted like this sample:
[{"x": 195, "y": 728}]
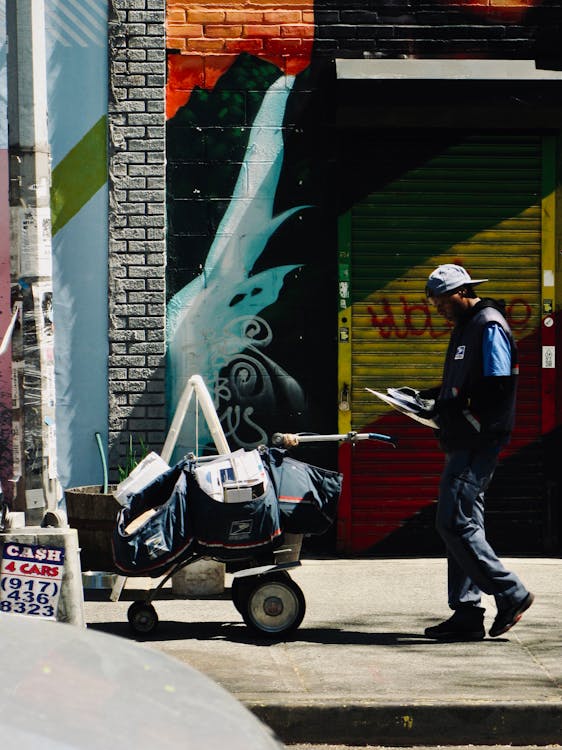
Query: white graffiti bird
[{"x": 209, "y": 321}]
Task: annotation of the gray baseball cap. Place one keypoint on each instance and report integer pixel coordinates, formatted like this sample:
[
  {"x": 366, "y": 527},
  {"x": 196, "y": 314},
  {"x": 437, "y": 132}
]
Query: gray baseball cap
[{"x": 447, "y": 278}]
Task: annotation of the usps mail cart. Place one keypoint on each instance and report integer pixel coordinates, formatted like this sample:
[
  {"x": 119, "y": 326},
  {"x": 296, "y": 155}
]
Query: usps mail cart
[{"x": 248, "y": 509}]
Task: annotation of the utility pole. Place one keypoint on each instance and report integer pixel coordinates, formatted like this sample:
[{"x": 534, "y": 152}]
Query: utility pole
[{"x": 36, "y": 487}]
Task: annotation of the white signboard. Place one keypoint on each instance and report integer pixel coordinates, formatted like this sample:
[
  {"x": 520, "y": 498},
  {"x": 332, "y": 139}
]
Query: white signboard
[
  {"x": 30, "y": 579},
  {"x": 548, "y": 357}
]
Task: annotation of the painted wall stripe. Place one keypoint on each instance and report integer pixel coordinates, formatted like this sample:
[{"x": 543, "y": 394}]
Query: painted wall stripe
[{"x": 72, "y": 184}]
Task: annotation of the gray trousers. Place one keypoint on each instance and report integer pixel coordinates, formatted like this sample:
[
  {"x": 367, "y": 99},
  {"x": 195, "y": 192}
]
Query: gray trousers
[{"x": 473, "y": 566}]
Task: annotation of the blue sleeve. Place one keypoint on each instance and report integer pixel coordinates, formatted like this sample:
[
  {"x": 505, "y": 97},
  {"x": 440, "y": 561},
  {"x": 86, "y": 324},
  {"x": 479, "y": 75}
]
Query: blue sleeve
[{"x": 496, "y": 351}]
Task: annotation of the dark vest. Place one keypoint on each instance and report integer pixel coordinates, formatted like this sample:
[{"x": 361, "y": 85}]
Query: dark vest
[{"x": 475, "y": 410}]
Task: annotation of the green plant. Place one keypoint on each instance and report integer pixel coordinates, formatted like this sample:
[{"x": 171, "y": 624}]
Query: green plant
[{"x": 132, "y": 458}]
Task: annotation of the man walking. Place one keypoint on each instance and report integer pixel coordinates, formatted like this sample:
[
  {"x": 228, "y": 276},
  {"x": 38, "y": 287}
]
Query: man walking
[{"x": 474, "y": 408}]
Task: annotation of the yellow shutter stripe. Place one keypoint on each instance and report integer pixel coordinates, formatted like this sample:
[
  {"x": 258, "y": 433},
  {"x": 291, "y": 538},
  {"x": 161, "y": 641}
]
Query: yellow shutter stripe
[{"x": 464, "y": 206}]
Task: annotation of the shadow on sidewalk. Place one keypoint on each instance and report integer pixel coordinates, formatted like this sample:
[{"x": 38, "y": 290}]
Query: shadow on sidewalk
[{"x": 236, "y": 632}]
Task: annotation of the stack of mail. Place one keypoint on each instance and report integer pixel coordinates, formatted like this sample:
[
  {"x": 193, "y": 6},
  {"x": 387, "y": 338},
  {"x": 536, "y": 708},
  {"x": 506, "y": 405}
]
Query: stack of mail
[
  {"x": 407, "y": 401},
  {"x": 233, "y": 478},
  {"x": 151, "y": 467}
]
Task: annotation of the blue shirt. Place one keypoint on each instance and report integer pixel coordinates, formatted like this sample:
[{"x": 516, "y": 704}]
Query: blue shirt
[{"x": 496, "y": 351}]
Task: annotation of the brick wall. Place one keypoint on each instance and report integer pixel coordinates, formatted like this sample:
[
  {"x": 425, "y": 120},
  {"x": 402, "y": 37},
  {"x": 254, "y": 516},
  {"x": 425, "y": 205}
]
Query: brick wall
[
  {"x": 207, "y": 38},
  {"x": 230, "y": 27},
  {"x": 137, "y": 244},
  {"x": 440, "y": 28},
  {"x": 284, "y": 31}
]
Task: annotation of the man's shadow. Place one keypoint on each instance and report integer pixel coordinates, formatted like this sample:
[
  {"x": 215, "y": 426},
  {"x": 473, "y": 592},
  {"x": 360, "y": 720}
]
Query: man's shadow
[{"x": 237, "y": 632}]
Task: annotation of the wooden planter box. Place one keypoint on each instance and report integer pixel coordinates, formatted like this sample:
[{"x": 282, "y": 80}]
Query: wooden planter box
[{"x": 93, "y": 514}]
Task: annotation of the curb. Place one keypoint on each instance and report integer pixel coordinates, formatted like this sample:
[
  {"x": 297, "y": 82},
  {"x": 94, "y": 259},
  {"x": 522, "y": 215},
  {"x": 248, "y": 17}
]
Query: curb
[{"x": 415, "y": 724}]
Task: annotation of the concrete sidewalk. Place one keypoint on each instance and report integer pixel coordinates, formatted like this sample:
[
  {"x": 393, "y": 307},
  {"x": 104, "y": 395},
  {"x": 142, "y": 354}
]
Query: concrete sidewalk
[{"x": 359, "y": 670}]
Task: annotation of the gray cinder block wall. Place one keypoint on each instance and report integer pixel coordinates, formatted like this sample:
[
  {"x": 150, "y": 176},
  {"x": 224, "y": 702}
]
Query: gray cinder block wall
[{"x": 137, "y": 225}]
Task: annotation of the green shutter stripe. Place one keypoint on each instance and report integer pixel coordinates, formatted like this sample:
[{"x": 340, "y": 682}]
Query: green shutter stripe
[
  {"x": 482, "y": 191},
  {"x": 478, "y": 203},
  {"x": 79, "y": 176}
]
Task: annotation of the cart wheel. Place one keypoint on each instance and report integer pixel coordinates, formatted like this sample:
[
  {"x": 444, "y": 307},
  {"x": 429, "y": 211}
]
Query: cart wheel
[
  {"x": 274, "y": 606},
  {"x": 142, "y": 618},
  {"x": 242, "y": 587},
  {"x": 240, "y": 590}
]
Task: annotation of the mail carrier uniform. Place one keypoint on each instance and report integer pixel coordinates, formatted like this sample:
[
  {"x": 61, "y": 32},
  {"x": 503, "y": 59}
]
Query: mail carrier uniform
[{"x": 475, "y": 412}]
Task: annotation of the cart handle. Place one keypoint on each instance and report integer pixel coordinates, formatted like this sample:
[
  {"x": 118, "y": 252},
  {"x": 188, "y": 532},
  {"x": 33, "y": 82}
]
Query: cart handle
[{"x": 290, "y": 440}]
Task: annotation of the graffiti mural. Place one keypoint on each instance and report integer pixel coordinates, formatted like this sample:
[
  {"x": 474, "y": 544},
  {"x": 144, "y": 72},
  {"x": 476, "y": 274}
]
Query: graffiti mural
[
  {"x": 227, "y": 287},
  {"x": 212, "y": 320},
  {"x": 208, "y": 38},
  {"x": 253, "y": 221},
  {"x": 409, "y": 319},
  {"x": 252, "y": 383}
]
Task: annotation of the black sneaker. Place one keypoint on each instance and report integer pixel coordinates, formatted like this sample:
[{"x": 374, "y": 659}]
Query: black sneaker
[
  {"x": 509, "y": 617},
  {"x": 458, "y": 628}
]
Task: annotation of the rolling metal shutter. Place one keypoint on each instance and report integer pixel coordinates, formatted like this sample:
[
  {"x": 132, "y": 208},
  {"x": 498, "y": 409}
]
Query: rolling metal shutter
[{"x": 475, "y": 201}]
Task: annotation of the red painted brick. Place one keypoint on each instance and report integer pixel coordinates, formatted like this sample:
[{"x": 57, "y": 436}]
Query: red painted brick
[
  {"x": 262, "y": 30},
  {"x": 176, "y": 15},
  {"x": 215, "y": 66},
  {"x": 251, "y": 46},
  {"x": 205, "y": 15},
  {"x": 283, "y": 46},
  {"x": 282, "y": 16},
  {"x": 185, "y": 29},
  {"x": 185, "y": 71},
  {"x": 299, "y": 31},
  {"x": 244, "y": 16},
  {"x": 229, "y": 31},
  {"x": 175, "y": 43},
  {"x": 205, "y": 45}
]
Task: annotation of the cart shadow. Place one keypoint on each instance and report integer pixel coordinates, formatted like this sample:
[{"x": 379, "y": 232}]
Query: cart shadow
[{"x": 237, "y": 632}]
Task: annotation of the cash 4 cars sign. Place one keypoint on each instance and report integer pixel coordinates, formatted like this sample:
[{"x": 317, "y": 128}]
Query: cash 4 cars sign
[{"x": 30, "y": 579}]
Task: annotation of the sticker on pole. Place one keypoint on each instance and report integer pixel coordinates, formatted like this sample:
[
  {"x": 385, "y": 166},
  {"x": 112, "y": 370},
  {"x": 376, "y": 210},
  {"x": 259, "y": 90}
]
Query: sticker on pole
[{"x": 30, "y": 579}]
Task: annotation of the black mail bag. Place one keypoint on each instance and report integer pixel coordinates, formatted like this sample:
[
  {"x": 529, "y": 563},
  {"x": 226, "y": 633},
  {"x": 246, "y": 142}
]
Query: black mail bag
[
  {"x": 234, "y": 531},
  {"x": 308, "y": 495},
  {"x": 165, "y": 537}
]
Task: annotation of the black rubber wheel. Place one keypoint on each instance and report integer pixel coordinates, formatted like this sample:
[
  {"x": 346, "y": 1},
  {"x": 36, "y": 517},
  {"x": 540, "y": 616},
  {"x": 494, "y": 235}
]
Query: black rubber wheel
[
  {"x": 240, "y": 590},
  {"x": 275, "y": 606},
  {"x": 142, "y": 618},
  {"x": 242, "y": 587}
]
